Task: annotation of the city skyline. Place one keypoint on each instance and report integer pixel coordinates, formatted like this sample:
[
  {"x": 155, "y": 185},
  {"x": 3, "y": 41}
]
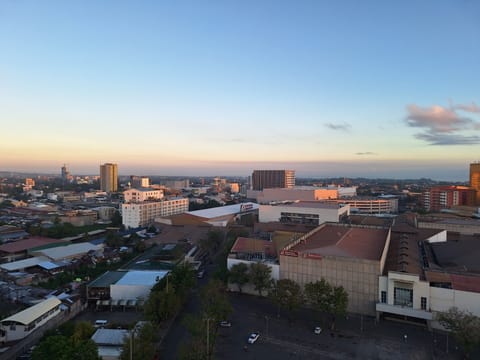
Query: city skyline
[{"x": 329, "y": 90}]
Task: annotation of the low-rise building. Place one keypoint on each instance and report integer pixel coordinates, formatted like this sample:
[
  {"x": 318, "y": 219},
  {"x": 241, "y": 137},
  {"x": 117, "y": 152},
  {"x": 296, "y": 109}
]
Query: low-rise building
[
  {"x": 20, "y": 325},
  {"x": 344, "y": 255},
  {"x": 110, "y": 342},
  {"x": 303, "y": 212},
  {"x": 123, "y": 288}
]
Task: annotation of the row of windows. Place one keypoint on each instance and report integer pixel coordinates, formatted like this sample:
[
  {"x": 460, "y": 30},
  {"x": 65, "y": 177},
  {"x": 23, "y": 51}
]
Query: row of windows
[{"x": 404, "y": 298}]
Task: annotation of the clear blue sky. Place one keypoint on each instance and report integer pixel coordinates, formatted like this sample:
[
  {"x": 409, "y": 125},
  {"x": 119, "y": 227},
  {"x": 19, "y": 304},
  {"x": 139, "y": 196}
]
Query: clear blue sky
[{"x": 328, "y": 88}]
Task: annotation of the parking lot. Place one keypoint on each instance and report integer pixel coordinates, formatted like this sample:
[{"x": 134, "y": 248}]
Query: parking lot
[{"x": 354, "y": 338}]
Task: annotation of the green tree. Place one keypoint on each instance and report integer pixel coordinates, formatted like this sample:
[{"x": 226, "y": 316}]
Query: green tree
[
  {"x": 260, "y": 276},
  {"x": 287, "y": 294},
  {"x": 82, "y": 331},
  {"x": 116, "y": 218},
  {"x": 161, "y": 305},
  {"x": 214, "y": 300},
  {"x": 60, "y": 347},
  {"x": 239, "y": 275},
  {"x": 324, "y": 297},
  {"x": 142, "y": 342},
  {"x": 182, "y": 278},
  {"x": 464, "y": 326}
]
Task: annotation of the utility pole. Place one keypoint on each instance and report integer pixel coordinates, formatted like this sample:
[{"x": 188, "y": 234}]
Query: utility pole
[
  {"x": 266, "y": 320},
  {"x": 208, "y": 337}
]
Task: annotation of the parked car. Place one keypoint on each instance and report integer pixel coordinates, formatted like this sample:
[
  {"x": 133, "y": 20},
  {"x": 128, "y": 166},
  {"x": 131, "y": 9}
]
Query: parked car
[
  {"x": 225, "y": 323},
  {"x": 317, "y": 330},
  {"x": 200, "y": 274},
  {"x": 253, "y": 337}
]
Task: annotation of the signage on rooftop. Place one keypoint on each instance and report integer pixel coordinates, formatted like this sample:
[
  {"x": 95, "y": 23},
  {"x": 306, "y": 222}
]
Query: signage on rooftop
[{"x": 246, "y": 207}]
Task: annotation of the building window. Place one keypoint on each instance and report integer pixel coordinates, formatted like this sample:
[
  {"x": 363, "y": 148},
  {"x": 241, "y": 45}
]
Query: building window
[
  {"x": 423, "y": 303},
  {"x": 384, "y": 297},
  {"x": 403, "y": 297}
]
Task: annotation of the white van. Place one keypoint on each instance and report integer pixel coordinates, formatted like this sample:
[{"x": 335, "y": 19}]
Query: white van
[{"x": 100, "y": 323}]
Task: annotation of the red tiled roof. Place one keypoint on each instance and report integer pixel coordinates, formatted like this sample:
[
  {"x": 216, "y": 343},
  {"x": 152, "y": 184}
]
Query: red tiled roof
[{"x": 22, "y": 245}]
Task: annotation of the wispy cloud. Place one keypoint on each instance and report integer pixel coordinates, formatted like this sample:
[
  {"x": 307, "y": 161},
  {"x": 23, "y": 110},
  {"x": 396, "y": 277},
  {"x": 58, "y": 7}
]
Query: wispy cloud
[
  {"x": 473, "y": 108},
  {"x": 443, "y": 126},
  {"x": 340, "y": 127},
  {"x": 447, "y": 139},
  {"x": 365, "y": 153}
]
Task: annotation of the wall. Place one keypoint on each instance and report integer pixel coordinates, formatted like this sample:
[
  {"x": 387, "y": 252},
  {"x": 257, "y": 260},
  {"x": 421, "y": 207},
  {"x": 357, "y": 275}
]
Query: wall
[
  {"x": 269, "y": 213},
  {"x": 358, "y": 277}
]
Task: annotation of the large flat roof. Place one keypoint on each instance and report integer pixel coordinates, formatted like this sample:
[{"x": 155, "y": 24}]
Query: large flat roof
[
  {"x": 32, "y": 313},
  {"x": 107, "y": 279},
  {"x": 141, "y": 277},
  {"x": 130, "y": 277},
  {"x": 62, "y": 252},
  {"x": 344, "y": 241},
  {"x": 222, "y": 210},
  {"x": 460, "y": 255},
  {"x": 23, "y": 264}
]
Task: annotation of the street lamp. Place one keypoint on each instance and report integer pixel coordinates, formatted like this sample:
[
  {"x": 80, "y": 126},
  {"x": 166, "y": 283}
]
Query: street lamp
[{"x": 132, "y": 338}]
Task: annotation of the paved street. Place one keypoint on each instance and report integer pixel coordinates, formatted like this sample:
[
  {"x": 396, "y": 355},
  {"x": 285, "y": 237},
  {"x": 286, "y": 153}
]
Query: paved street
[{"x": 355, "y": 338}]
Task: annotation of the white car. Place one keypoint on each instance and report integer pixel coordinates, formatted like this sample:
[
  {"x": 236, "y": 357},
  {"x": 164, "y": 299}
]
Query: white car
[
  {"x": 253, "y": 337},
  {"x": 317, "y": 330},
  {"x": 225, "y": 324}
]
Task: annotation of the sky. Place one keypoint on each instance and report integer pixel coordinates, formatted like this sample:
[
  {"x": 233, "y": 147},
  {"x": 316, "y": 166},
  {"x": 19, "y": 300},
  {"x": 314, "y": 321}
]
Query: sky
[{"x": 327, "y": 88}]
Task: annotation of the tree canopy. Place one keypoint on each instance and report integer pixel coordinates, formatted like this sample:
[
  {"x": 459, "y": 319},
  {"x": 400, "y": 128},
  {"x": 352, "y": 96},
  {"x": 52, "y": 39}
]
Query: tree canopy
[
  {"x": 260, "y": 276},
  {"x": 464, "y": 326},
  {"x": 239, "y": 275}
]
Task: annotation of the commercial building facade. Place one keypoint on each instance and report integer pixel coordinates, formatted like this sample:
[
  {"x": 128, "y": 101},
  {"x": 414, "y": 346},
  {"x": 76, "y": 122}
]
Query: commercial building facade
[
  {"x": 109, "y": 177},
  {"x": 303, "y": 212},
  {"x": 262, "y": 179},
  {"x": 344, "y": 255},
  {"x": 144, "y": 213},
  {"x": 444, "y": 197},
  {"x": 475, "y": 180},
  {"x": 142, "y": 194}
]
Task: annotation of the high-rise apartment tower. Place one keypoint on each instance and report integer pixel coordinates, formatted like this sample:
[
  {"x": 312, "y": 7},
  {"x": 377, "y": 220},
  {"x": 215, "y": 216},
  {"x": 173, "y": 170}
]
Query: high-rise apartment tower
[
  {"x": 109, "y": 177},
  {"x": 475, "y": 180},
  {"x": 265, "y": 179}
]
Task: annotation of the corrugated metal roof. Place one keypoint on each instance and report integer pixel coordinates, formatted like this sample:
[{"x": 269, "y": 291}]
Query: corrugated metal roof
[
  {"x": 137, "y": 277},
  {"x": 23, "y": 264},
  {"x": 107, "y": 279},
  {"x": 110, "y": 336},
  {"x": 30, "y": 314},
  {"x": 22, "y": 245},
  {"x": 62, "y": 252}
]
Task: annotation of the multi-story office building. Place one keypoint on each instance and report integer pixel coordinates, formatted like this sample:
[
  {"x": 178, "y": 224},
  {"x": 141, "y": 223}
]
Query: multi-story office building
[
  {"x": 475, "y": 180},
  {"x": 444, "y": 197},
  {"x": 142, "y": 194},
  {"x": 144, "y": 213},
  {"x": 109, "y": 177},
  {"x": 263, "y": 179}
]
